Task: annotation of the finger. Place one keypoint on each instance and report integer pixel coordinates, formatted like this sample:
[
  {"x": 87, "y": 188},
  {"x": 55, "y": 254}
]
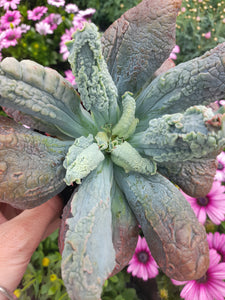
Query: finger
[{"x": 20, "y": 236}]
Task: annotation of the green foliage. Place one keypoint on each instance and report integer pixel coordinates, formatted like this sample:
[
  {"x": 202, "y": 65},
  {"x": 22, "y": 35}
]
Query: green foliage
[
  {"x": 115, "y": 288},
  {"x": 195, "y": 19},
  {"x": 43, "y": 281}
]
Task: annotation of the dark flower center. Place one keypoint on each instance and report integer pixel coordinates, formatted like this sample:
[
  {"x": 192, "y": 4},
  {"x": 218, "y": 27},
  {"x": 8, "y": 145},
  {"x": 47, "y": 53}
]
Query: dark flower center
[
  {"x": 220, "y": 166},
  {"x": 203, "y": 201},
  {"x": 143, "y": 257},
  {"x": 10, "y": 18},
  {"x": 203, "y": 279}
]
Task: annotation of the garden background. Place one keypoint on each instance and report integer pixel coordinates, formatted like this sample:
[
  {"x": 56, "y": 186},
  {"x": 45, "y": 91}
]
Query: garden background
[{"x": 37, "y": 30}]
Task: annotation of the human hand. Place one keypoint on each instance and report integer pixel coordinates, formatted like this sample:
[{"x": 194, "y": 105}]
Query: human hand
[{"x": 20, "y": 234}]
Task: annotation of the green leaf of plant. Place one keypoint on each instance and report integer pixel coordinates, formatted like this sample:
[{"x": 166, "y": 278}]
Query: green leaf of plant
[
  {"x": 136, "y": 44},
  {"x": 96, "y": 87},
  {"x": 43, "y": 93},
  {"x": 35, "y": 123},
  {"x": 31, "y": 165},
  {"x": 197, "y": 82},
  {"x": 175, "y": 238},
  {"x": 202, "y": 172},
  {"x": 88, "y": 256},
  {"x": 195, "y": 134}
]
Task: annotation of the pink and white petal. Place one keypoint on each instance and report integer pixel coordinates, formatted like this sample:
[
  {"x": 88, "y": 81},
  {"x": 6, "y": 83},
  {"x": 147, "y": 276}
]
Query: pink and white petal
[
  {"x": 176, "y": 282},
  {"x": 203, "y": 293},
  {"x": 190, "y": 291},
  {"x": 202, "y": 215},
  {"x": 215, "y": 216}
]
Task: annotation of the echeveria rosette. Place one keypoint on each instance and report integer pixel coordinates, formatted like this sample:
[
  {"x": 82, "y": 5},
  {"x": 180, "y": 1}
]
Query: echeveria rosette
[{"x": 117, "y": 138}]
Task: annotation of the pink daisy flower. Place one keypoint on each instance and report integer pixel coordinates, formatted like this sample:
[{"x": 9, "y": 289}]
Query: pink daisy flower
[
  {"x": 24, "y": 28},
  {"x": 36, "y": 13},
  {"x": 175, "y": 50},
  {"x": 142, "y": 263},
  {"x": 56, "y": 3},
  {"x": 71, "y": 8},
  {"x": 207, "y": 35},
  {"x": 53, "y": 20},
  {"x": 220, "y": 172},
  {"x": 212, "y": 204},
  {"x": 7, "y": 4},
  {"x": 87, "y": 13},
  {"x": 43, "y": 28},
  {"x": 216, "y": 241},
  {"x": 78, "y": 22},
  {"x": 67, "y": 36},
  {"x": 70, "y": 77},
  {"x": 10, "y": 37},
  {"x": 211, "y": 286},
  {"x": 11, "y": 18}
]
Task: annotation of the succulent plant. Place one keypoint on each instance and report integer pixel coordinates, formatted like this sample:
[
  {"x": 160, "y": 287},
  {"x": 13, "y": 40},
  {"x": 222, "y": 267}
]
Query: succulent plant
[{"x": 137, "y": 127}]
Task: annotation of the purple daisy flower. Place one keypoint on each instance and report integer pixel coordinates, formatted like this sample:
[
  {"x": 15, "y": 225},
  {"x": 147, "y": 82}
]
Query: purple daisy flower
[
  {"x": 220, "y": 172},
  {"x": 24, "y": 28},
  {"x": 216, "y": 241},
  {"x": 175, "y": 50},
  {"x": 212, "y": 204},
  {"x": 71, "y": 8},
  {"x": 11, "y": 18},
  {"x": 78, "y": 22},
  {"x": 70, "y": 77},
  {"x": 53, "y": 20},
  {"x": 56, "y": 3},
  {"x": 10, "y": 36},
  {"x": 43, "y": 28},
  {"x": 142, "y": 264},
  {"x": 7, "y": 4},
  {"x": 67, "y": 36},
  {"x": 87, "y": 13},
  {"x": 36, "y": 13},
  {"x": 211, "y": 286}
]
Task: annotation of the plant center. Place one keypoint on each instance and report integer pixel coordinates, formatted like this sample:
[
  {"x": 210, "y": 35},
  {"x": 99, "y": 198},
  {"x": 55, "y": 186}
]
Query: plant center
[{"x": 203, "y": 201}]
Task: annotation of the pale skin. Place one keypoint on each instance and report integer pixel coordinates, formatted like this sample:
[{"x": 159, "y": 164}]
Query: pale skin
[{"x": 20, "y": 234}]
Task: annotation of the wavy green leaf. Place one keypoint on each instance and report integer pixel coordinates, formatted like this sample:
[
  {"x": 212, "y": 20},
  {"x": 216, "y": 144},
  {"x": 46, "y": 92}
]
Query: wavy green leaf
[
  {"x": 181, "y": 137},
  {"x": 136, "y": 44},
  {"x": 31, "y": 170},
  {"x": 175, "y": 238},
  {"x": 88, "y": 257},
  {"x": 43, "y": 93},
  {"x": 202, "y": 170},
  {"x": 96, "y": 87},
  {"x": 197, "y": 82}
]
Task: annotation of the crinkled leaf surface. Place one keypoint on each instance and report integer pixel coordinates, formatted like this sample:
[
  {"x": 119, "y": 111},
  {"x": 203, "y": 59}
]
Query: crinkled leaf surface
[
  {"x": 95, "y": 85},
  {"x": 194, "y": 177},
  {"x": 88, "y": 257},
  {"x": 181, "y": 137},
  {"x": 175, "y": 238},
  {"x": 31, "y": 168},
  {"x": 197, "y": 82},
  {"x": 43, "y": 93},
  {"x": 136, "y": 44}
]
